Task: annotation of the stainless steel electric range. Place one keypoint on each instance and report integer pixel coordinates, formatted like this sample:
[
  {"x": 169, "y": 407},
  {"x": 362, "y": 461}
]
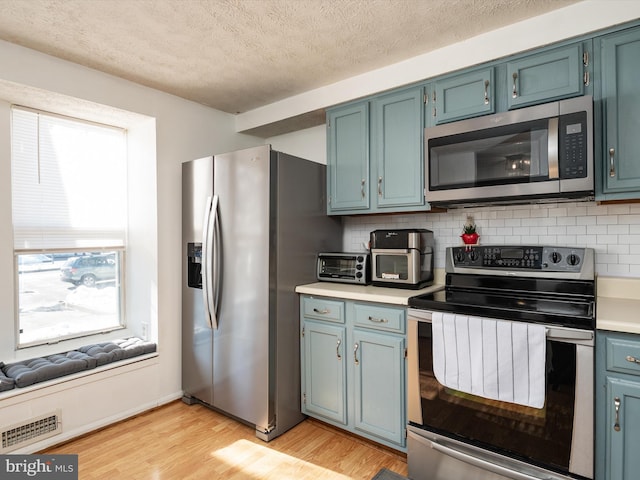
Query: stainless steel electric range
[{"x": 459, "y": 433}]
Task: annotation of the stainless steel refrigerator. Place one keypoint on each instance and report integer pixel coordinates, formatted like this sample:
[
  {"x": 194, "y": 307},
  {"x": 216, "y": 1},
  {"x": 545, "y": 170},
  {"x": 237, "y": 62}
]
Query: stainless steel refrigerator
[{"x": 252, "y": 222}]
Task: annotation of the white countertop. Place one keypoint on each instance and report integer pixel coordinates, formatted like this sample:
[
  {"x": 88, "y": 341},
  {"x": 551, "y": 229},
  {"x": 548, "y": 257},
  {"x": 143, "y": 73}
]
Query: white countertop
[
  {"x": 618, "y": 304},
  {"x": 368, "y": 293}
]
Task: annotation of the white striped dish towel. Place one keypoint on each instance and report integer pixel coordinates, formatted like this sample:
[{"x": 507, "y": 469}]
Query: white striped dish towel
[{"x": 491, "y": 358}]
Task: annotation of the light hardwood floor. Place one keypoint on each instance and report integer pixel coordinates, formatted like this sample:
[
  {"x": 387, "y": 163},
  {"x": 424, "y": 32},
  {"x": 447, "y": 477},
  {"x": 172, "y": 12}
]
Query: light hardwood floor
[{"x": 180, "y": 442}]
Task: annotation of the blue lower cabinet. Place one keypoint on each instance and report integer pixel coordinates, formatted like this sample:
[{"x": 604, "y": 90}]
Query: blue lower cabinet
[
  {"x": 623, "y": 432},
  {"x": 379, "y": 387},
  {"x": 324, "y": 392},
  {"x": 353, "y": 375},
  {"x": 617, "y": 406}
]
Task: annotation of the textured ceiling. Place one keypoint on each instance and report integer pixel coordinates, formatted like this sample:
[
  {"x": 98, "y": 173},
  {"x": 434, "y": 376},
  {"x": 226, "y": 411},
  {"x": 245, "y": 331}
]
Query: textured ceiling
[{"x": 237, "y": 55}]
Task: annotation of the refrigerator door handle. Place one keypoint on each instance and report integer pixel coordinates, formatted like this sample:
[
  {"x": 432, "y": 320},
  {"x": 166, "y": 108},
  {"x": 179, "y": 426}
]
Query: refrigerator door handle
[
  {"x": 217, "y": 262},
  {"x": 207, "y": 247}
]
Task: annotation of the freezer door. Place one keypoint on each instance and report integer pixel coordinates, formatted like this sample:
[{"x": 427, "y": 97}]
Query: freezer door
[
  {"x": 241, "y": 358},
  {"x": 197, "y": 335}
]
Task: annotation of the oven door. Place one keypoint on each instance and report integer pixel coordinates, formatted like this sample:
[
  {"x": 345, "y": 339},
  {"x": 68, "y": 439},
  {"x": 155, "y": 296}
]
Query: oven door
[{"x": 451, "y": 432}]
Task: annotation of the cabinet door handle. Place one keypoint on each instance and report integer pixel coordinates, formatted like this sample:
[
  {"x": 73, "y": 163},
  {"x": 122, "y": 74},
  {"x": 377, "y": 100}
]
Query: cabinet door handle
[
  {"x": 324, "y": 311},
  {"x": 486, "y": 92},
  {"x": 612, "y": 166},
  {"x": 379, "y": 186},
  {"x": 633, "y": 359},
  {"x": 515, "y": 89},
  {"x": 355, "y": 354},
  {"x": 338, "y": 343},
  {"x": 616, "y": 404},
  {"x": 362, "y": 187},
  {"x": 378, "y": 320}
]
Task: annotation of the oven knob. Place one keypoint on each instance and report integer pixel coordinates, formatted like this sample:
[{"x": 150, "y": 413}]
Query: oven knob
[
  {"x": 358, "y": 274},
  {"x": 460, "y": 256},
  {"x": 473, "y": 255},
  {"x": 555, "y": 257},
  {"x": 573, "y": 259},
  {"x": 359, "y": 267}
]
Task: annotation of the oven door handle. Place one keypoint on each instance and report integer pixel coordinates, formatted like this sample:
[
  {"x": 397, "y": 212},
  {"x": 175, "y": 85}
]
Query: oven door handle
[{"x": 484, "y": 464}]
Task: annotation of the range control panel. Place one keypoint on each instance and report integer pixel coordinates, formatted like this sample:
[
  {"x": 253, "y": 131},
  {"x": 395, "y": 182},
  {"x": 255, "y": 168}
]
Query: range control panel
[{"x": 521, "y": 257}]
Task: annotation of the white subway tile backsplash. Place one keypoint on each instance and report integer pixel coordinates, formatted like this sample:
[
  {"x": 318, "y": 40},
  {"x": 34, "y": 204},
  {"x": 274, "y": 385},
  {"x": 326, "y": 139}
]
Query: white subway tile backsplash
[
  {"x": 618, "y": 229},
  {"x": 613, "y": 231},
  {"x": 607, "y": 219},
  {"x": 629, "y": 259}
]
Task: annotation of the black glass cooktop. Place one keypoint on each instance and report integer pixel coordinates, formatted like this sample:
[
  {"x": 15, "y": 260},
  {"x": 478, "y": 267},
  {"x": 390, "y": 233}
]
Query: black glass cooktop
[{"x": 568, "y": 303}]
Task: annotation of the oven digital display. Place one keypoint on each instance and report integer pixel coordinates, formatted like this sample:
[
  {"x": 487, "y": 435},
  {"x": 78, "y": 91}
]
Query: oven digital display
[{"x": 515, "y": 253}]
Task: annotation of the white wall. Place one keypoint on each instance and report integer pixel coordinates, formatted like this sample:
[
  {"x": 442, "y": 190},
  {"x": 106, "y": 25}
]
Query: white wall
[{"x": 182, "y": 131}]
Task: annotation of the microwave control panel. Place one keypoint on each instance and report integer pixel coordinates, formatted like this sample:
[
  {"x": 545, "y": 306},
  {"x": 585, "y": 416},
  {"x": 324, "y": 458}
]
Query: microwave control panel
[
  {"x": 573, "y": 145},
  {"x": 532, "y": 258}
]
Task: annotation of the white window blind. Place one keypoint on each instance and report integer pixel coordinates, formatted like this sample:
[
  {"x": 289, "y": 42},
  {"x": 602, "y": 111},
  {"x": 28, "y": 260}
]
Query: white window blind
[{"x": 69, "y": 183}]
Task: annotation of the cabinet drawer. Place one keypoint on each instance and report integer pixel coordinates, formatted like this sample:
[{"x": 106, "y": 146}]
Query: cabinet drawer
[
  {"x": 380, "y": 318},
  {"x": 623, "y": 355},
  {"x": 323, "y": 309}
]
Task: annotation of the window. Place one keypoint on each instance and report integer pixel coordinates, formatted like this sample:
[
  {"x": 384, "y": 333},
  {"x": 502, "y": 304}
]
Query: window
[{"x": 69, "y": 201}]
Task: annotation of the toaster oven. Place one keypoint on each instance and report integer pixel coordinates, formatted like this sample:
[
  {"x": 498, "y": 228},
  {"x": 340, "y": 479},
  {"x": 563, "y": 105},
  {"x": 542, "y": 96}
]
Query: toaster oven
[{"x": 344, "y": 268}]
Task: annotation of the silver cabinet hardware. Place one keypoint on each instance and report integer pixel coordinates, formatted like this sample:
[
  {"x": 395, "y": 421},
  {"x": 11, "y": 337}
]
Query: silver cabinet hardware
[
  {"x": 616, "y": 403},
  {"x": 633, "y": 359},
  {"x": 612, "y": 167},
  {"x": 585, "y": 58},
  {"x": 355, "y": 354},
  {"x": 362, "y": 187},
  {"x": 379, "y": 186},
  {"x": 486, "y": 92},
  {"x": 585, "y": 78},
  {"x": 324, "y": 311},
  {"x": 378, "y": 320},
  {"x": 338, "y": 343},
  {"x": 515, "y": 89}
]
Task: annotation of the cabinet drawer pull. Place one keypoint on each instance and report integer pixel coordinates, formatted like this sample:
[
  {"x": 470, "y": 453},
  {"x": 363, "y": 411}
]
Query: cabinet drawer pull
[
  {"x": 486, "y": 92},
  {"x": 324, "y": 311},
  {"x": 379, "y": 186},
  {"x": 338, "y": 343},
  {"x": 355, "y": 354},
  {"x": 612, "y": 166},
  {"x": 616, "y": 403},
  {"x": 378, "y": 320},
  {"x": 633, "y": 359},
  {"x": 362, "y": 188},
  {"x": 515, "y": 89}
]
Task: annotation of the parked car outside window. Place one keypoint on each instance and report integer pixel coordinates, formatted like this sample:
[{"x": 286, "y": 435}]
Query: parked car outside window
[
  {"x": 89, "y": 270},
  {"x": 35, "y": 262}
]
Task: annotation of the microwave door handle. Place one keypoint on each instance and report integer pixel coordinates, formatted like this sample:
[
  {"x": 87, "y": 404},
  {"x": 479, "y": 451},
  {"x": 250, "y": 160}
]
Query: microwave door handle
[
  {"x": 554, "y": 170},
  {"x": 207, "y": 246}
]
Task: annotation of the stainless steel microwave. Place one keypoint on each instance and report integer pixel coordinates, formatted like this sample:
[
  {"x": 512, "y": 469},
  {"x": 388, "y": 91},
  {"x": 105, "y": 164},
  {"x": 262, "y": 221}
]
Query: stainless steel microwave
[{"x": 543, "y": 153}]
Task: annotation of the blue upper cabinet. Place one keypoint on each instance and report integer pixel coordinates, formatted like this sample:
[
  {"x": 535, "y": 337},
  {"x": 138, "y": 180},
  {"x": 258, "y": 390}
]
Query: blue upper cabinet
[
  {"x": 620, "y": 149},
  {"x": 397, "y": 149},
  {"x": 348, "y": 158},
  {"x": 546, "y": 76},
  {"x": 463, "y": 96},
  {"x": 375, "y": 154}
]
